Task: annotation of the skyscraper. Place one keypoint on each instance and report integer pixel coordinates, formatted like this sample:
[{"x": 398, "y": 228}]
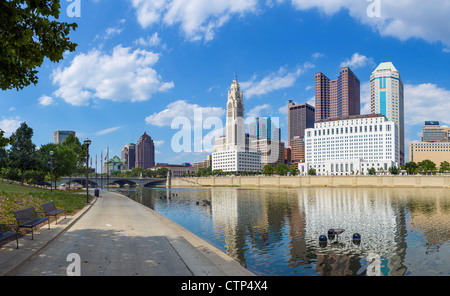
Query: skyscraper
[
  {"x": 265, "y": 128},
  {"x": 386, "y": 97},
  {"x": 145, "y": 152},
  {"x": 129, "y": 154},
  {"x": 337, "y": 98},
  {"x": 300, "y": 117},
  {"x": 235, "y": 126},
  {"x": 60, "y": 136},
  {"x": 233, "y": 152}
]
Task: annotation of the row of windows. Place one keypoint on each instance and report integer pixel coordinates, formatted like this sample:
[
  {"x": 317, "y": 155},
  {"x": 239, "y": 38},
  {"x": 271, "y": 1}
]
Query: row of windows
[{"x": 347, "y": 130}]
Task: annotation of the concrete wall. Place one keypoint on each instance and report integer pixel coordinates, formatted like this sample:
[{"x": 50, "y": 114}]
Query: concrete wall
[{"x": 316, "y": 181}]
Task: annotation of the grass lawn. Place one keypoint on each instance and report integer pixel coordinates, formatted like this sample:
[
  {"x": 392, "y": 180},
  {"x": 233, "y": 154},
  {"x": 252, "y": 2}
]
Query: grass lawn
[{"x": 15, "y": 197}]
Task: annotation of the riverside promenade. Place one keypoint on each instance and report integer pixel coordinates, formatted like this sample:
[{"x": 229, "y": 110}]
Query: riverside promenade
[{"x": 116, "y": 236}]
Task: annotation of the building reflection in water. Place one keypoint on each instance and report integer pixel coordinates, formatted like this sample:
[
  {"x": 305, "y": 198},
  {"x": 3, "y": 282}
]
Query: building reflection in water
[{"x": 276, "y": 231}]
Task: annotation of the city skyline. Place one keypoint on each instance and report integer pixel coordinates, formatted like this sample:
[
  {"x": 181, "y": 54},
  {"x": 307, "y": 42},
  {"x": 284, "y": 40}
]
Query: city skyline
[{"x": 143, "y": 71}]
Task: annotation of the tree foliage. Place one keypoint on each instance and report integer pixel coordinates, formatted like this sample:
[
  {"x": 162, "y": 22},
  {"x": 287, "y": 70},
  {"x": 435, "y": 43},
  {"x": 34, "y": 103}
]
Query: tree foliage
[
  {"x": 22, "y": 153},
  {"x": 29, "y": 33}
]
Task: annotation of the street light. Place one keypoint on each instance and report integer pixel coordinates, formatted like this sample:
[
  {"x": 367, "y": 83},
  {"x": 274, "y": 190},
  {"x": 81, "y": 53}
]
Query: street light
[
  {"x": 87, "y": 142},
  {"x": 51, "y": 171}
]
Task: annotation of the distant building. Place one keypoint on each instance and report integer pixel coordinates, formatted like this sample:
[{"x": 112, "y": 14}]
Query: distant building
[
  {"x": 272, "y": 151},
  {"x": 437, "y": 152},
  {"x": 145, "y": 152},
  {"x": 60, "y": 136},
  {"x": 287, "y": 155},
  {"x": 433, "y": 132},
  {"x": 265, "y": 128},
  {"x": 337, "y": 98},
  {"x": 297, "y": 150},
  {"x": 207, "y": 163},
  {"x": 176, "y": 170},
  {"x": 351, "y": 145},
  {"x": 129, "y": 154},
  {"x": 114, "y": 164},
  {"x": 233, "y": 153},
  {"x": 387, "y": 98},
  {"x": 300, "y": 117}
]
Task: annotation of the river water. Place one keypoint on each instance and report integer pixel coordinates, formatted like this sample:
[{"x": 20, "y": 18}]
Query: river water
[{"x": 276, "y": 231}]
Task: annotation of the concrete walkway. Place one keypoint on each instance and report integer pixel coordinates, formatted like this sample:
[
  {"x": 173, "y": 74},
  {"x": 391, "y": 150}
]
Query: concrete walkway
[{"x": 117, "y": 236}]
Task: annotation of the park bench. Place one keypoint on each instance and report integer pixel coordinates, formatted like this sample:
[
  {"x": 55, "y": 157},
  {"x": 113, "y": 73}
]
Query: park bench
[
  {"x": 51, "y": 210},
  {"x": 6, "y": 235},
  {"x": 28, "y": 218}
]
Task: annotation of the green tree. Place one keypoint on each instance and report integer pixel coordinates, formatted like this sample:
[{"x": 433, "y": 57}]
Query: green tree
[
  {"x": 30, "y": 32},
  {"x": 201, "y": 172},
  {"x": 294, "y": 170},
  {"x": 65, "y": 161},
  {"x": 22, "y": 152},
  {"x": 394, "y": 170},
  {"x": 411, "y": 167},
  {"x": 372, "y": 171},
  {"x": 267, "y": 169},
  {"x": 444, "y": 167},
  {"x": 312, "y": 172},
  {"x": 282, "y": 169},
  {"x": 427, "y": 166}
]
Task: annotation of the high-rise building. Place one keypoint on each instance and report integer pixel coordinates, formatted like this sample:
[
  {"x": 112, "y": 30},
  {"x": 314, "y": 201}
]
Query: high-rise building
[
  {"x": 433, "y": 132},
  {"x": 60, "y": 136},
  {"x": 265, "y": 128},
  {"x": 129, "y": 155},
  {"x": 337, "y": 98},
  {"x": 300, "y": 117},
  {"x": 297, "y": 150},
  {"x": 351, "y": 145},
  {"x": 233, "y": 152},
  {"x": 145, "y": 152},
  {"x": 386, "y": 97}
]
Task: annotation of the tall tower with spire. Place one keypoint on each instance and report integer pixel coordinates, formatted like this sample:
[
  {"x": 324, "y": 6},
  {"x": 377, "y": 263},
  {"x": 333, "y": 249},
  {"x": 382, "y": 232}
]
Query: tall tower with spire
[
  {"x": 235, "y": 126},
  {"x": 232, "y": 152}
]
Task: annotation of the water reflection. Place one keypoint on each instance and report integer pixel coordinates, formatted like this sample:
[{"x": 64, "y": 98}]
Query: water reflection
[{"x": 276, "y": 231}]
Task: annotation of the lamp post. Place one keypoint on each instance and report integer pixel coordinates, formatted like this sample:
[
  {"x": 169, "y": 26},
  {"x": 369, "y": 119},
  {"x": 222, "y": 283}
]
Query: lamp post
[
  {"x": 87, "y": 142},
  {"x": 51, "y": 171}
]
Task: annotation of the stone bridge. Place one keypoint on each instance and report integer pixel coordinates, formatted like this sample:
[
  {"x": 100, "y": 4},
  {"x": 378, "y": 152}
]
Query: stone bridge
[{"x": 103, "y": 182}]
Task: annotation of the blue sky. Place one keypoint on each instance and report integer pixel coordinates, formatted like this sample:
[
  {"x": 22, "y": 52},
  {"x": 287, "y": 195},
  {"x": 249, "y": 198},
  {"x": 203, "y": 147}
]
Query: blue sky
[{"x": 140, "y": 64}]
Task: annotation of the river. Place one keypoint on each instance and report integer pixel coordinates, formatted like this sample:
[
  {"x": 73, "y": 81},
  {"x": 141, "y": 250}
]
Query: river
[{"x": 276, "y": 231}]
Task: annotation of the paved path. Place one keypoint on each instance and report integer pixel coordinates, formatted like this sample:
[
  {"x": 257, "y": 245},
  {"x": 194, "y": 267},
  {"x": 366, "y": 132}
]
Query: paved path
[{"x": 118, "y": 236}]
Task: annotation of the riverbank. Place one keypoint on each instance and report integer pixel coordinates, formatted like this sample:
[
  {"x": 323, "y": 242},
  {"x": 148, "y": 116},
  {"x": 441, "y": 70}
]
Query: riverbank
[
  {"x": 385, "y": 181},
  {"x": 117, "y": 236}
]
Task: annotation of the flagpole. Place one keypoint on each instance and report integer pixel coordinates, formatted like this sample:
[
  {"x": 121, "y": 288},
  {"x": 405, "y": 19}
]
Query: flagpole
[
  {"x": 107, "y": 169},
  {"x": 101, "y": 168},
  {"x": 96, "y": 171}
]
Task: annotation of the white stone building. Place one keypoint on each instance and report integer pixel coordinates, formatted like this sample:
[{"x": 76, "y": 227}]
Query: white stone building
[
  {"x": 351, "y": 145},
  {"x": 233, "y": 153}
]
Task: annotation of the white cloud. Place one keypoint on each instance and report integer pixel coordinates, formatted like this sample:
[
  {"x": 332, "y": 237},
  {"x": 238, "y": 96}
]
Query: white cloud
[
  {"x": 108, "y": 130},
  {"x": 425, "y": 102},
  {"x": 317, "y": 55},
  {"x": 124, "y": 75},
  {"x": 358, "y": 61},
  {"x": 274, "y": 81},
  {"x": 198, "y": 19},
  {"x": 258, "y": 111},
  {"x": 182, "y": 108},
  {"x": 46, "y": 100},
  {"x": 158, "y": 143},
  {"x": 9, "y": 126},
  {"x": 402, "y": 19},
  {"x": 151, "y": 41}
]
